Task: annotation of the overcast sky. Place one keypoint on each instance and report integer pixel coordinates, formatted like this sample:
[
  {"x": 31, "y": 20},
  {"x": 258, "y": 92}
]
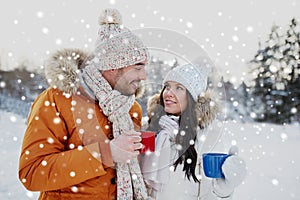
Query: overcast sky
[{"x": 229, "y": 30}]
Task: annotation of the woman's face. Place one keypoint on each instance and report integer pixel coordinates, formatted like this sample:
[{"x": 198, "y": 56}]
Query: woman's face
[{"x": 175, "y": 98}]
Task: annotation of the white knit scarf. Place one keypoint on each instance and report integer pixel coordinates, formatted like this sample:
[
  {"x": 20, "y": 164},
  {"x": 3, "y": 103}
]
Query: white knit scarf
[
  {"x": 156, "y": 166},
  {"x": 115, "y": 106}
]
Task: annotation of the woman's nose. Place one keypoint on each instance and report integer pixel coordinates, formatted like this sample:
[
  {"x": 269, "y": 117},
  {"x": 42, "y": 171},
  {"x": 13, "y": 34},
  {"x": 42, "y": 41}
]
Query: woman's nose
[{"x": 169, "y": 92}]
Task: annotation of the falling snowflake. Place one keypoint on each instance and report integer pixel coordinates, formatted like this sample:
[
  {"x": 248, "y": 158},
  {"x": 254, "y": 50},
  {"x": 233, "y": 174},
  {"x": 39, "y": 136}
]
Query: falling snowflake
[
  {"x": 72, "y": 174},
  {"x": 275, "y": 182},
  {"x": 40, "y": 14}
]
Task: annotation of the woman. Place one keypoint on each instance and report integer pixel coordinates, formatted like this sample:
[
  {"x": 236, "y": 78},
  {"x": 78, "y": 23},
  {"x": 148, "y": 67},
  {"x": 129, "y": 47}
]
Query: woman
[{"x": 181, "y": 115}]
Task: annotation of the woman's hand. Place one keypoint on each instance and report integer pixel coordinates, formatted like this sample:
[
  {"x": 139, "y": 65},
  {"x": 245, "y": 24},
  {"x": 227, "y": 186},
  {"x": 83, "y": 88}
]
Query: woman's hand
[
  {"x": 234, "y": 170},
  {"x": 169, "y": 124}
]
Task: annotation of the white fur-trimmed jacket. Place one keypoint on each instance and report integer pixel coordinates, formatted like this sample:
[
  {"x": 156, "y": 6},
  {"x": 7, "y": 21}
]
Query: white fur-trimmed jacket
[{"x": 176, "y": 185}]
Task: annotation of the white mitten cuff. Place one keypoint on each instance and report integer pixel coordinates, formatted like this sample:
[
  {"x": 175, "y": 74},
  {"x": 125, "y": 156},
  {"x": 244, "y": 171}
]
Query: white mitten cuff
[{"x": 221, "y": 188}]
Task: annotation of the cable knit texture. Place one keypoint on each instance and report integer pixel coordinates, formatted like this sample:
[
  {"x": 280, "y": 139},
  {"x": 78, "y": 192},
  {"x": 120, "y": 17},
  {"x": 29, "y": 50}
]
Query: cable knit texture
[{"x": 116, "y": 106}]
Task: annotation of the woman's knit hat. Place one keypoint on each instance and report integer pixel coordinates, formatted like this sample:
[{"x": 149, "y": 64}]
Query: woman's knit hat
[
  {"x": 193, "y": 77},
  {"x": 116, "y": 45}
]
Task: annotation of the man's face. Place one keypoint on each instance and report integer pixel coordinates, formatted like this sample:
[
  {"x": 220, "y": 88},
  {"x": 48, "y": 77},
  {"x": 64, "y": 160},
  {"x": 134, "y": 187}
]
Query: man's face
[{"x": 127, "y": 79}]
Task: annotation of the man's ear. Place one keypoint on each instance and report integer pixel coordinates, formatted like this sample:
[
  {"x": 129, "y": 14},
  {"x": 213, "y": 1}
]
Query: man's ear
[
  {"x": 110, "y": 76},
  {"x": 108, "y": 73}
]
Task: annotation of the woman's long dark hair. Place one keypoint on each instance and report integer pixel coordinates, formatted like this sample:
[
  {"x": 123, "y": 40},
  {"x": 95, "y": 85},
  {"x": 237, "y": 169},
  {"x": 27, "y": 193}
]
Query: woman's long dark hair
[{"x": 186, "y": 136}]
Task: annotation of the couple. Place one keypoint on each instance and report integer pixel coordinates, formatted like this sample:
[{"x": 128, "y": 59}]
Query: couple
[{"x": 82, "y": 139}]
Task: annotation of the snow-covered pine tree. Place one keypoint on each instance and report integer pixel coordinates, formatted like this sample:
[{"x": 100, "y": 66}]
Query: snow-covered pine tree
[
  {"x": 267, "y": 70},
  {"x": 276, "y": 90},
  {"x": 292, "y": 70}
]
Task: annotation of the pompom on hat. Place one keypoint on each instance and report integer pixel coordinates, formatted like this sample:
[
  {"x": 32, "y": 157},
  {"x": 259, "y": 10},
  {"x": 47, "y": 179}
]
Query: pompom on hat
[
  {"x": 192, "y": 76},
  {"x": 116, "y": 46}
]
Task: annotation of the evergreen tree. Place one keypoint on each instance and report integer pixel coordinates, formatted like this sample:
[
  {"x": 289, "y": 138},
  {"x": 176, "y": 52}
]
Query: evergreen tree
[
  {"x": 292, "y": 70},
  {"x": 264, "y": 80},
  {"x": 276, "y": 66}
]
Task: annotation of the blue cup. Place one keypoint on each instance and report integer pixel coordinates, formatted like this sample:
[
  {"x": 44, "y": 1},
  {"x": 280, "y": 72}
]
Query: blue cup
[{"x": 212, "y": 164}]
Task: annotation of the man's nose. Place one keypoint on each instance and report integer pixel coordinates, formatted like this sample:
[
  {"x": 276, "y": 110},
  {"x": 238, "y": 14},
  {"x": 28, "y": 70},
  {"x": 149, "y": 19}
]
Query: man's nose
[{"x": 142, "y": 74}]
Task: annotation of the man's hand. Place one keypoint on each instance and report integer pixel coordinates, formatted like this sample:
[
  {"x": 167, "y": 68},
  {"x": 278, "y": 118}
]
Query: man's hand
[{"x": 126, "y": 146}]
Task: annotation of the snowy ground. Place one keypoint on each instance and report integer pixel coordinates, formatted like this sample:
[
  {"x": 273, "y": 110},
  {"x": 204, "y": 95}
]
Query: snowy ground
[
  {"x": 12, "y": 128},
  {"x": 273, "y": 160},
  {"x": 272, "y": 154}
]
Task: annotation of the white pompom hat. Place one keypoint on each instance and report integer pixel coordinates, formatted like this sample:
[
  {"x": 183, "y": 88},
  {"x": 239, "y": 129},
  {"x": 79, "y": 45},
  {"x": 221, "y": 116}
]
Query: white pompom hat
[
  {"x": 116, "y": 45},
  {"x": 192, "y": 76}
]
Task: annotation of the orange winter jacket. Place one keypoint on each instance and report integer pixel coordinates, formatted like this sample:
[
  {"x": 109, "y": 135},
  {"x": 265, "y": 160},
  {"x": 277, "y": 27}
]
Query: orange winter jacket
[{"x": 54, "y": 159}]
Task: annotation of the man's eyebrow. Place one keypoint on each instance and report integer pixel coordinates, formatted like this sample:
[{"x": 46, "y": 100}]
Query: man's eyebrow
[{"x": 141, "y": 63}]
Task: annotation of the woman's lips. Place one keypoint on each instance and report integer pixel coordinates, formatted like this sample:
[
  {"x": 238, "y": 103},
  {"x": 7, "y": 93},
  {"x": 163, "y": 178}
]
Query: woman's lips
[{"x": 169, "y": 102}]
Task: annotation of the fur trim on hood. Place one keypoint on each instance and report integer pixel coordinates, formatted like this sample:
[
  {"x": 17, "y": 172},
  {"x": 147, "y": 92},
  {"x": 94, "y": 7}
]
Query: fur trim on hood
[
  {"x": 206, "y": 108},
  {"x": 63, "y": 67}
]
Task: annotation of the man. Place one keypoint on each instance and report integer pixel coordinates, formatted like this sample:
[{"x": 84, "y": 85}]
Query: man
[{"x": 80, "y": 142}]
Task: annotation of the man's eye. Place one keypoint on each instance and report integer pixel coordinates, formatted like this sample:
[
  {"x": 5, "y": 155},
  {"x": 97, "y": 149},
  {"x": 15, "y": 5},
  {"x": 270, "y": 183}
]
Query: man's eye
[{"x": 139, "y": 67}]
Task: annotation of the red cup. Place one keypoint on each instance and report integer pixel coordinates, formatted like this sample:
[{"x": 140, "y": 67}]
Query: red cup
[{"x": 148, "y": 141}]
